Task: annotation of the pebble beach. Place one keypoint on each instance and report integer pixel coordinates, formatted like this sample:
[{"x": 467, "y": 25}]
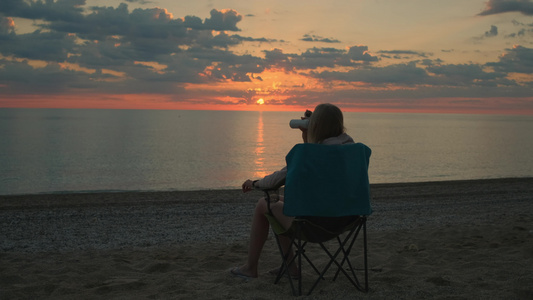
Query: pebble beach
[{"x": 469, "y": 239}]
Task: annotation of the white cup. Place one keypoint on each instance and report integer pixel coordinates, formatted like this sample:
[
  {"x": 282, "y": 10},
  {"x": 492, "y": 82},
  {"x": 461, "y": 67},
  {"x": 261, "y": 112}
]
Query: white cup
[{"x": 297, "y": 123}]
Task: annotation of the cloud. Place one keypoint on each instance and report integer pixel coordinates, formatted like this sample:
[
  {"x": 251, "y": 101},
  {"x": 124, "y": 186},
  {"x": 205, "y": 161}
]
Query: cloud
[
  {"x": 225, "y": 40},
  {"x": 315, "y": 38},
  {"x": 518, "y": 59},
  {"x": 360, "y": 53},
  {"x": 140, "y": 1},
  {"x": 223, "y": 20},
  {"x": 401, "y": 54},
  {"x": 277, "y": 59},
  {"x": 48, "y": 46},
  {"x": 319, "y": 58},
  {"x": 431, "y": 74},
  {"x": 520, "y": 33},
  {"x": 220, "y": 20},
  {"x": 7, "y": 25},
  {"x": 66, "y": 10},
  {"x": 467, "y": 75},
  {"x": 492, "y": 32},
  {"x": 103, "y": 45},
  {"x": 402, "y": 74},
  {"x": 50, "y": 79},
  {"x": 502, "y": 6}
]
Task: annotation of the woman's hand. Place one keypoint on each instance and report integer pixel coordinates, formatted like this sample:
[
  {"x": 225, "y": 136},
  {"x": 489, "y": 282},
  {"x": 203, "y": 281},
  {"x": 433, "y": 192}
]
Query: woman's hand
[
  {"x": 247, "y": 186},
  {"x": 304, "y": 134},
  {"x": 304, "y": 131}
]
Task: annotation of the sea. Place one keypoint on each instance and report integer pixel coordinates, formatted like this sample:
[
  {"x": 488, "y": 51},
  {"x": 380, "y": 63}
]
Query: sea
[{"x": 86, "y": 150}]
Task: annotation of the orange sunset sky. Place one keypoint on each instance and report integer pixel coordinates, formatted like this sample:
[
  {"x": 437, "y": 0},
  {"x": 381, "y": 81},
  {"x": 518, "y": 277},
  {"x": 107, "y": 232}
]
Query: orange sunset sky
[{"x": 451, "y": 56}]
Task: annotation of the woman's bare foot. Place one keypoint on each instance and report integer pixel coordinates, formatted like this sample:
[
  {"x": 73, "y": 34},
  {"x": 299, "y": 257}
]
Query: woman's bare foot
[{"x": 243, "y": 272}]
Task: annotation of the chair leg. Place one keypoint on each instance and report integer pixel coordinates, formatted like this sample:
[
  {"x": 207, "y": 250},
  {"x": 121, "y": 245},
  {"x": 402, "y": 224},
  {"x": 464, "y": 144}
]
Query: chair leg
[
  {"x": 354, "y": 232},
  {"x": 285, "y": 265},
  {"x": 346, "y": 259},
  {"x": 283, "y": 261},
  {"x": 365, "y": 251},
  {"x": 300, "y": 253},
  {"x": 333, "y": 259},
  {"x": 365, "y": 255},
  {"x": 353, "y": 235}
]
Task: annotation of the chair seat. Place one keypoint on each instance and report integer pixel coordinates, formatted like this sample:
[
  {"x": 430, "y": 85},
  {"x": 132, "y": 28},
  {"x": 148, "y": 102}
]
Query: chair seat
[{"x": 310, "y": 231}]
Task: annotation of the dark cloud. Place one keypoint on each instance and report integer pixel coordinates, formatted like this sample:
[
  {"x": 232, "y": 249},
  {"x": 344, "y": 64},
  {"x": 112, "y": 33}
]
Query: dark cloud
[
  {"x": 109, "y": 38},
  {"x": 518, "y": 59},
  {"x": 467, "y": 75},
  {"x": 223, "y": 20},
  {"x": 7, "y": 26},
  {"x": 360, "y": 53},
  {"x": 492, "y": 32},
  {"x": 502, "y": 6},
  {"x": 220, "y": 20},
  {"x": 315, "y": 38},
  {"x": 155, "y": 23},
  {"x": 49, "y": 46},
  {"x": 433, "y": 74},
  {"x": 402, "y": 74},
  {"x": 227, "y": 65},
  {"x": 319, "y": 58},
  {"x": 401, "y": 54},
  {"x": 276, "y": 58},
  {"x": 520, "y": 33},
  {"x": 64, "y": 10},
  {"x": 225, "y": 40},
  {"x": 143, "y": 2},
  {"x": 20, "y": 76},
  {"x": 431, "y": 62}
]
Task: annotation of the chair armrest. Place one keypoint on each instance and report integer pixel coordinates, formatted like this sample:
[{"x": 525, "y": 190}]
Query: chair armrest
[{"x": 268, "y": 198}]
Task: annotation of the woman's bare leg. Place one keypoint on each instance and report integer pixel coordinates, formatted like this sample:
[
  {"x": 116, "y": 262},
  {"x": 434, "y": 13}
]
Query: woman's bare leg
[
  {"x": 285, "y": 242},
  {"x": 259, "y": 234}
]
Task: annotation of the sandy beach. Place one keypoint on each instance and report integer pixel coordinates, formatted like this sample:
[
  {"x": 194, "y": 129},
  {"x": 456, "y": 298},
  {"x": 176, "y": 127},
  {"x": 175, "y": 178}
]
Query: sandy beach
[{"x": 436, "y": 240}]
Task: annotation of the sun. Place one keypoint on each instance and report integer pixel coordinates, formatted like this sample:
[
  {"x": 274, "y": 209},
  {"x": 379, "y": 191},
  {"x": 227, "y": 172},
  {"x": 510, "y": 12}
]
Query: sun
[{"x": 260, "y": 101}]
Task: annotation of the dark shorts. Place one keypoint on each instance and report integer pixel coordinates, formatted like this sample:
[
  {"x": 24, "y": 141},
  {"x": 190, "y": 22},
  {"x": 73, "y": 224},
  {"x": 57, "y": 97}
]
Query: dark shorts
[{"x": 332, "y": 223}]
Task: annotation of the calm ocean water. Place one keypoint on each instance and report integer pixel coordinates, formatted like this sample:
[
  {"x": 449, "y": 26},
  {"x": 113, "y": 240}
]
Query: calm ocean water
[{"x": 63, "y": 150}]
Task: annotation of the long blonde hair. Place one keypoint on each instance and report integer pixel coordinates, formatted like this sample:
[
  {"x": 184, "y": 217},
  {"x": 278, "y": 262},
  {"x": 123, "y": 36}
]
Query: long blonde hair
[{"x": 325, "y": 122}]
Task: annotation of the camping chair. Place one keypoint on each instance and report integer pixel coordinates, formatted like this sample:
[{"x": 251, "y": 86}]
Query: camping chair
[{"x": 325, "y": 184}]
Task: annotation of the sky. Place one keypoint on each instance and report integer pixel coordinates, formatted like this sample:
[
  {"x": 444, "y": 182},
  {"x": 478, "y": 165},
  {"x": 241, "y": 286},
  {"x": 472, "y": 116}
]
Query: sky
[{"x": 454, "y": 56}]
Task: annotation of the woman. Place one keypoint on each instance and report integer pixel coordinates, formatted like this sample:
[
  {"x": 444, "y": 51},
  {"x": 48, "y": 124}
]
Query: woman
[{"x": 326, "y": 126}]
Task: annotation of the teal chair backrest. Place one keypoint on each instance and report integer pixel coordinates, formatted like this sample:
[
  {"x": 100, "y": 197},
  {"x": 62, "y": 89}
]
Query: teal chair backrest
[{"x": 327, "y": 180}]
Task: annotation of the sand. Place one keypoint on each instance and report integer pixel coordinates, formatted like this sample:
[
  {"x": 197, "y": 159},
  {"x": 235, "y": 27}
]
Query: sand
[{"x": 436, "y": 240}]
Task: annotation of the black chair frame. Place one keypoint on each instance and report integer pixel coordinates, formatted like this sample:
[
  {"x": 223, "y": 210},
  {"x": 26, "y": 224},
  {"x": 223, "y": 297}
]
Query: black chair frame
[{"x": 303, "y": 232}]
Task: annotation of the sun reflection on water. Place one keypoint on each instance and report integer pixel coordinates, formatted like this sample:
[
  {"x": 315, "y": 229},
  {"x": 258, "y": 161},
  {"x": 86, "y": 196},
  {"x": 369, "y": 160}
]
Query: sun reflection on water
[{"x": 259, "y": 150}]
